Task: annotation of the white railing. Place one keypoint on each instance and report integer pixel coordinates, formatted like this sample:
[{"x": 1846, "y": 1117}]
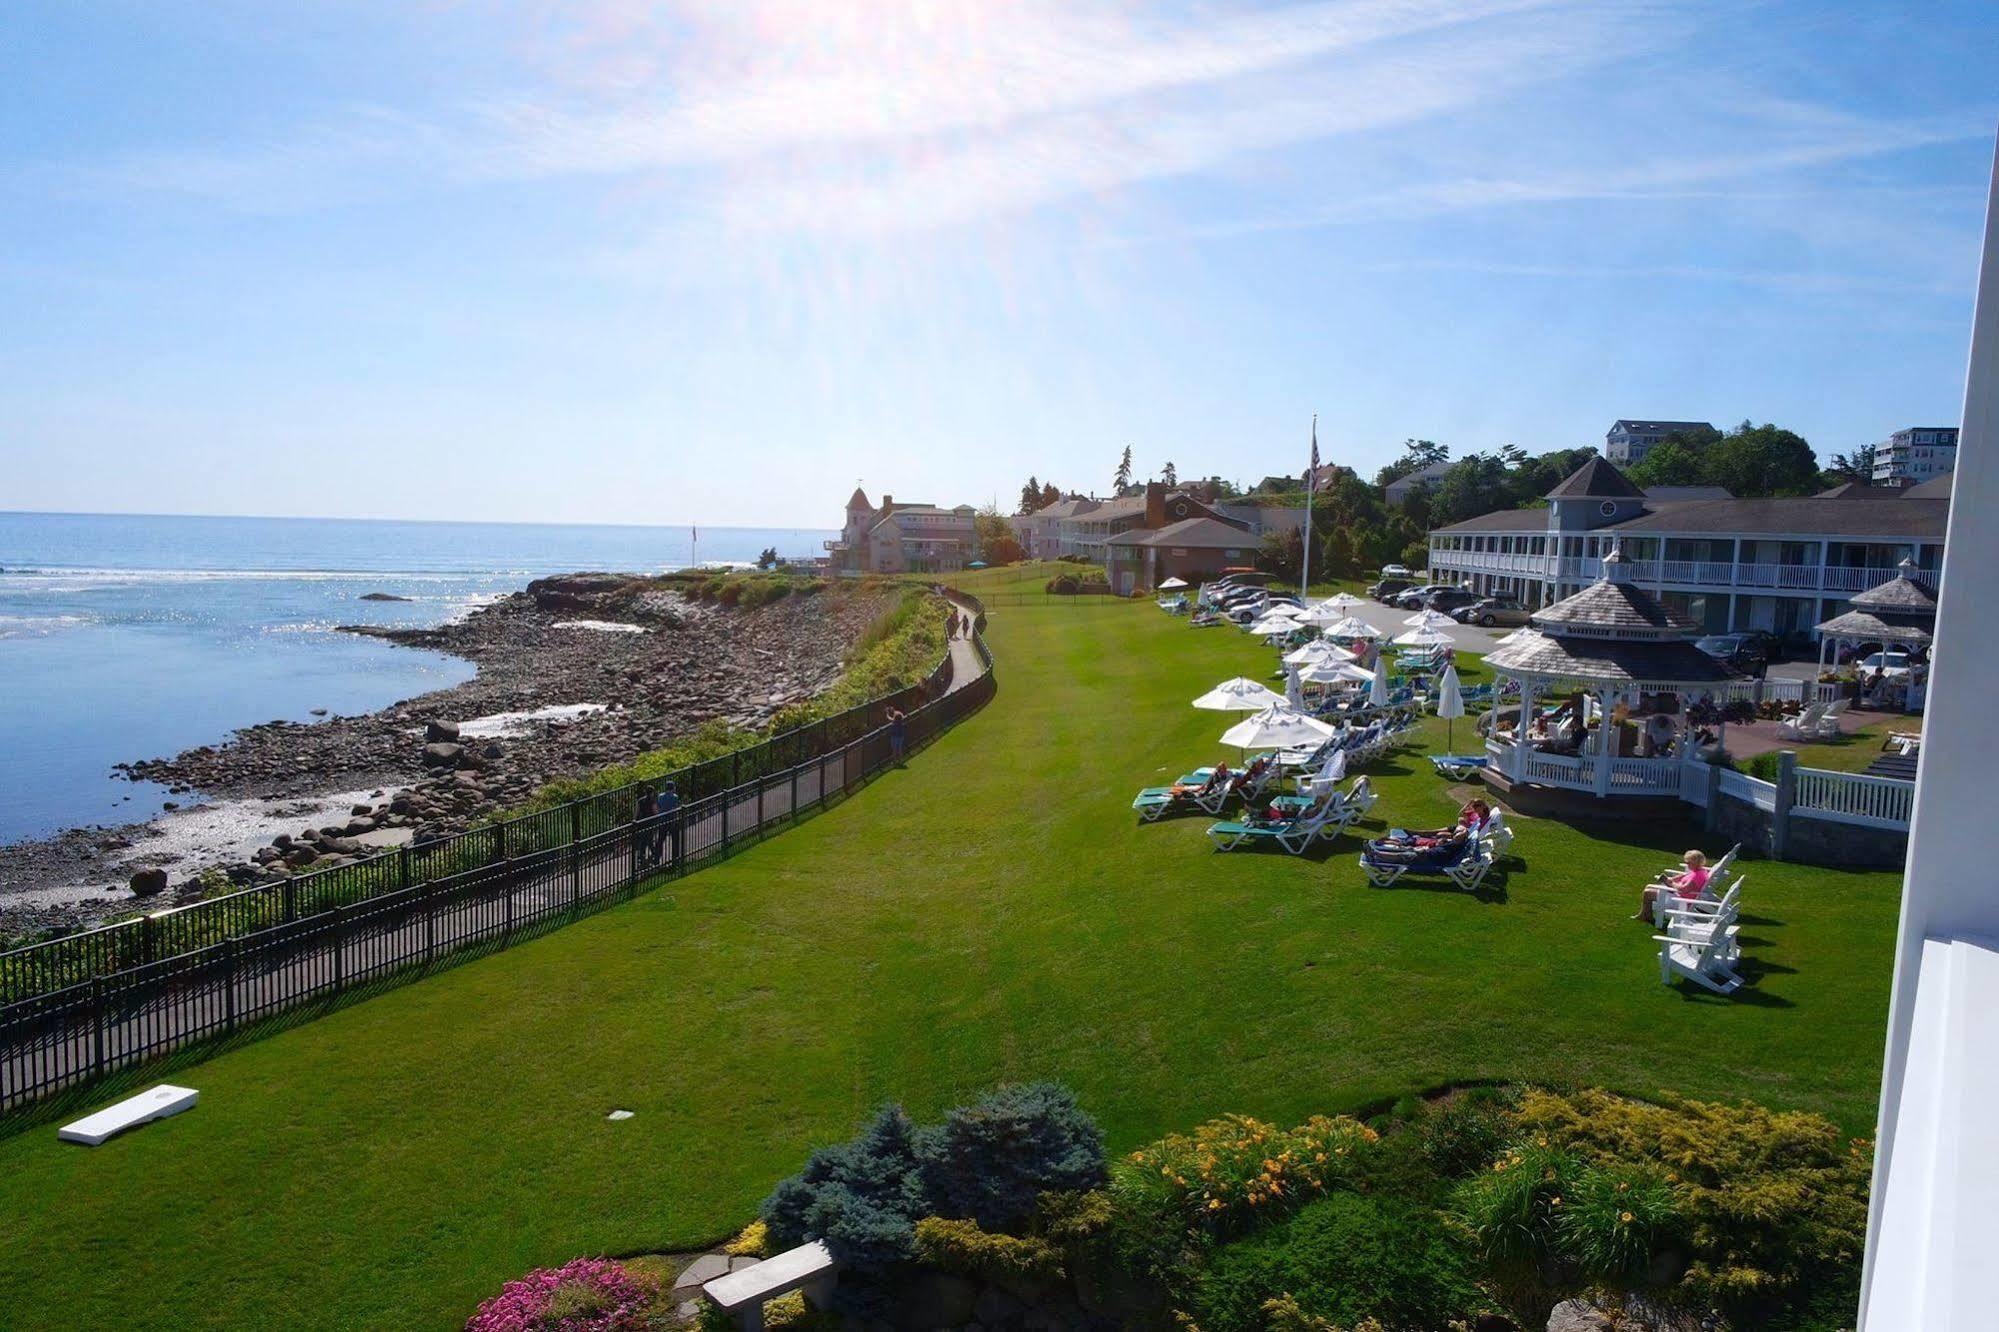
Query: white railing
[
  {"x": 1629, "y": 775},
  {"x": 1559, "y": 770},
  {"x": 1781, "y": 689},
  {"x": 1692, "y": 573},
  {"x": 1693, "y": 783},
  {"x": 1749, "y": 790},
  {"x": 1852, "y": 797}
]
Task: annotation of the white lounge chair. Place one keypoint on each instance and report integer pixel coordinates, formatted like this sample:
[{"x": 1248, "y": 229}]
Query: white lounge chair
[
  {"x": 1804, "y": 726},
  {"x": 1828, "y": 723},
  {"x": 1708, "y": 963},
  {"x": 1295, "y": 835}
]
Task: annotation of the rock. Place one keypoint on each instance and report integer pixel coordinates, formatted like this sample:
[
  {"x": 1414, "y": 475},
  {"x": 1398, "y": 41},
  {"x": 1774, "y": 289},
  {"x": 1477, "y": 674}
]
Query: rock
[
  {"x": 493, "y": 750},
  {"x": 266, "y": 854},
  {"x": 382, "y": 596},
  {"x": 283, "y": 841},
  {"x": 170, "y": 804},
  {"x": 318, "y": 712},
  {"x": 149, "y": 882},
  {"x": 436, "y": 730},
  {"x": 702, "y": 1270},
  {"x": 1579, "y": 1316},
  {"x": 441, "y": 755}
]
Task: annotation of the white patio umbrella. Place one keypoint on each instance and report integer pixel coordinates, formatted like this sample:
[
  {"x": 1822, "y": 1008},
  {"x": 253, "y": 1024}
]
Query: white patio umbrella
[
  {"x": 1377, "y": 694},
  {"x": 1346, "y": 603},
  {"x": 1173, "y": 585},
  {"x": 1278, "y": 726},
  {"x": 1335, "y": 672},
  {"x": 1274, "y": 623},
  {"x": 1352, "y": 628},
  {"x": 1423, "y": 638},
  {"x": 1238, "y": 695},
  {"x": 1450, "y": 704},
  {"x": 1318, "y": 650},
  {"x": 1430, "y": 619}
]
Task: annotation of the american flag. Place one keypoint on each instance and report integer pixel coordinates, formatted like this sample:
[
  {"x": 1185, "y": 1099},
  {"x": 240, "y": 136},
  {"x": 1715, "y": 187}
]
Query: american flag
[{"x": 1312, "y": 472}]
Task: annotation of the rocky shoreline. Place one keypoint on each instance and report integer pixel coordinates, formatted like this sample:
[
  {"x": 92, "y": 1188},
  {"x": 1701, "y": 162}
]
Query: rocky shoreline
[{"x": 575, "y": 672}]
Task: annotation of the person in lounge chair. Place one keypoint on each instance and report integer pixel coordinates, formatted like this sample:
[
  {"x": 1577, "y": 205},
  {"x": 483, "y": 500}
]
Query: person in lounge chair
[
  {"x": 1217, "y": 776},
  {"x": 1687, "y": 884}
]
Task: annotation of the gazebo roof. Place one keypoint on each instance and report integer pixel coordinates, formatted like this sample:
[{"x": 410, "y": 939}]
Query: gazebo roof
[
  {"x": 1901, "y": 593},
  {"x": 1613, "y": 609},
  {"x": 1865, "y": 626},
  {"x": 1606, "y": 661}
]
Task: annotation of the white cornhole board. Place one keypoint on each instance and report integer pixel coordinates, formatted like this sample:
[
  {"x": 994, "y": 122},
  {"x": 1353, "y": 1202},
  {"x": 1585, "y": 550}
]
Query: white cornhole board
[{"x": 147, "y": 1106}]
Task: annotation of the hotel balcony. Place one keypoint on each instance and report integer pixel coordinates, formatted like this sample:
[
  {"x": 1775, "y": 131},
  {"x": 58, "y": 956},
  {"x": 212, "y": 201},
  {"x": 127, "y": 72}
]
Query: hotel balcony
[{"x": 1685, "y": 573}]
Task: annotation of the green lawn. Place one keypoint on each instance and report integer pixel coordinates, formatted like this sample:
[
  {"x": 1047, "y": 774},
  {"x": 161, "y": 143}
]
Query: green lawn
[{"x": 991, "y": 913}]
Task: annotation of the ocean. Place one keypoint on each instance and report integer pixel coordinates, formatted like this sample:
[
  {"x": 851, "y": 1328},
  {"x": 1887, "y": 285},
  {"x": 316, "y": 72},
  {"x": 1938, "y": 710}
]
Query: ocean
[{"x": 136, "y": 636}]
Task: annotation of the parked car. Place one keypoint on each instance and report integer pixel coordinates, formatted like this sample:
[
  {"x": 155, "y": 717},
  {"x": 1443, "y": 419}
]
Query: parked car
[
  {"x": 1449, "y": 600},
  {"x": 1490, "y": 611},
  {"x": 1892, "y": 665},
  {"x": 1745, "y": 652},
  {"x": 1389, "y": 587},
  {"x": 1413, "y": 598},
  {"x": 1395, "y": 571}
]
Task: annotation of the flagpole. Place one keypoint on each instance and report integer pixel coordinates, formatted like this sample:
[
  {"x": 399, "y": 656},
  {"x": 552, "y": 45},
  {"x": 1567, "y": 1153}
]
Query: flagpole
[{"x": 1311, "y": 484}]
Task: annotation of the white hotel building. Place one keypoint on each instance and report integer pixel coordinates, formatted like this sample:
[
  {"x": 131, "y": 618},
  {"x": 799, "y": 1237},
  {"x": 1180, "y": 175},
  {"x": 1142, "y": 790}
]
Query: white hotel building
[{"x": 1779, "y": 565}]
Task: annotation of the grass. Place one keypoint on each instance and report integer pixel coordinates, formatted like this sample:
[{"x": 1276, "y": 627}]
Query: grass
[
  {"x": 991, "y": 913},
  {"x": 1853, "y": 751}
]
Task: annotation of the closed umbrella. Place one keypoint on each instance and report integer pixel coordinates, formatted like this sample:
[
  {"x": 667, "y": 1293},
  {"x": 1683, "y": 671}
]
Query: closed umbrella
[
  {"x": 1294, "y": 692},
  {"x": 1377, "y": 695},
  {"x": 1278, "y": 726},
  {"x": 1238, "y": 695},
  {"x": 1450, "y": 704}
]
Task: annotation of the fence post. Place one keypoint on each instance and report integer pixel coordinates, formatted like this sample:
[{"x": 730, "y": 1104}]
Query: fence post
[
  {"x": 794, "y": 795},
  {"x": 761, "y": 783},
  {"x": 97, "y": 1025},
  {"x": 403, "y": 872},
  {"x": 429, "y": 922},
  {"x": 728, "y": 799},
  {"x": 291, "y": 898},
  {"x": 146, "y": 940},
  {"x": 229, "y": 984},
  {"x": 1713, "y": 796},
  {"x": 575, "y": 859},
  {"x": 735, "y": 768},
  {"x": 507, "y": 878},
  {"x": 339, "y": 948},
  {"x": 1787, "y": 791}
]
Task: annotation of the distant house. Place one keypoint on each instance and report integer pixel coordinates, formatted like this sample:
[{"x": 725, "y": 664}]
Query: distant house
[
  {"x": 1628, "y": 442},
  {"x": 1040, "y": 532},
  {"x": 902, "y": 538},
  {"x": 1127, "y": 537},
  {"x": 1399, "y": 491},
  {"x": 1913, "y": 456}
]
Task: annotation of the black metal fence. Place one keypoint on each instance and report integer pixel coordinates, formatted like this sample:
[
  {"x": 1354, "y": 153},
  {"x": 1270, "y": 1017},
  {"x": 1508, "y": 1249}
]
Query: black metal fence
[{"x": 88, "y": 1005}]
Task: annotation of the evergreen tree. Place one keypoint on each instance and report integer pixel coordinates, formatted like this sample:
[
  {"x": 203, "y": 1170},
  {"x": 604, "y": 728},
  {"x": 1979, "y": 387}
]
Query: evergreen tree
[
  {"x": 1123, "y": 477},
  {"x": 1030, "y": 496},
  {"x": 1170, "y": 475}
]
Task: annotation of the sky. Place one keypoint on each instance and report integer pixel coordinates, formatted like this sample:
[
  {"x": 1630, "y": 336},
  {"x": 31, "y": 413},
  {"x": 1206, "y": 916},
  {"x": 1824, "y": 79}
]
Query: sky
[{"x": 720, "y": 260}]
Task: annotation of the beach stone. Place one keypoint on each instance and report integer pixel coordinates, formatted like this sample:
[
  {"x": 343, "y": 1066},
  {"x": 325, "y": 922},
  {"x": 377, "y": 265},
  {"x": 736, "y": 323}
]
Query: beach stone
[
  {"x": 1578, "y": 1316},
  {"x": 441, "y": 754},
  {"x": 439, "y": 730},
  {"x": 149, "y": 882}
]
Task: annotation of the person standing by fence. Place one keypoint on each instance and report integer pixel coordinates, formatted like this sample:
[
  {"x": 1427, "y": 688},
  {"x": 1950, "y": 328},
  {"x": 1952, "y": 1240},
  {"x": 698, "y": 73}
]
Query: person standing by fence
[
  {"x": 898, "y": 734},
  {"x": 643, "y": 829},
  {"x": 669, "y": 823}
]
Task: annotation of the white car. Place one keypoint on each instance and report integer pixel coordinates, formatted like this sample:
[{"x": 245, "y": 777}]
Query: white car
[
  {"x": 1395, "y": 571},
  {"x": 1892, "y": 665}
]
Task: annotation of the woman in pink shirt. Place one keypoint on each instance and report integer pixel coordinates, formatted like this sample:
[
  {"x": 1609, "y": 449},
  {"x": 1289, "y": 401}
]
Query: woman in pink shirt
[{"x": 1687, "y": 884}]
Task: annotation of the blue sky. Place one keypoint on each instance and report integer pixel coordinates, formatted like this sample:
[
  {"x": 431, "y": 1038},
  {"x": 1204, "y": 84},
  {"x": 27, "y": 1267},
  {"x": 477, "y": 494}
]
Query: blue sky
[{"x": 716, "y": 260}]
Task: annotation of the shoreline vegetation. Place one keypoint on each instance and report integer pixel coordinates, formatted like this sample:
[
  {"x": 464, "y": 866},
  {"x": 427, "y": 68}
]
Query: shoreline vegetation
[{"x": 705, "y": 663}]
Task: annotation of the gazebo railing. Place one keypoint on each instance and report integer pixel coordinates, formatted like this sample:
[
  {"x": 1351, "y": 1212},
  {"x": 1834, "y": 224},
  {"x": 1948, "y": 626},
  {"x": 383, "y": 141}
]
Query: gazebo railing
[{"x": 1853, "y": 797}]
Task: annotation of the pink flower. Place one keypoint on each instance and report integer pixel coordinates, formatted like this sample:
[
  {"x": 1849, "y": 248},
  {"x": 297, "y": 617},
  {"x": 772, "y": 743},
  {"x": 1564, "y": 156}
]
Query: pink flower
[{"x": 583, "y": 1295}]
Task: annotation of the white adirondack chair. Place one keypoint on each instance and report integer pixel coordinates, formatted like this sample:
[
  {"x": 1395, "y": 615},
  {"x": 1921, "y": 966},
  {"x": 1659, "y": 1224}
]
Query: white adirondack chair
[
  {"x": 1828, "y": 724},
  {"x": 1701, "y": 921},
  {"x": 1804, "y": 726},
  {"x": 1708, "y": 963},
  {"x": 1718, "y": 877}
]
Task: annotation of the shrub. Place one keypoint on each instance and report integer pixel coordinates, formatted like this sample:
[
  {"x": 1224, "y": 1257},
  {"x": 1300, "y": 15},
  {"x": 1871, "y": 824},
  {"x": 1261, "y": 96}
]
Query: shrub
[
  {"x": 990, "y": 1160},
  {"x": 1235, "y": 1171},
  {"x": 964, "y": 1248},
  {"x": 1466, "y": 1133},
  {"x": 585, "y": 1295},
  {"x": 862, "y": 1197},
  {"x": 753, "y": 1242},
  {"x": 1774, "y": 1202},
  {"x": 1341, "y": 1259},
  {"x": 1062, "y": 585}
]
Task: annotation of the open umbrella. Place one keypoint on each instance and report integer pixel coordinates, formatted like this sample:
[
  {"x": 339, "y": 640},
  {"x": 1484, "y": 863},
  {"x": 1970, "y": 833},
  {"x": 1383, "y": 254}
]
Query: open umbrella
[
  {"x": 1450, "y": 704},
  {"x": 976, "y": 564},
  {"x": 1318, "y": 650},
  {"x": 1172, "y": 584},
  {"x": 1278, "y": 726},
  {"x": 1346, "y": 603},
  {"x": 1430, "y": 619},
  {"x": 1352, "y": 628},
  {"x": 1335, "y": 672},
  {"x": 1377, "y": 695},
  {"x": 1423, "y": 638},
  {"x": 1277, "y": 622},
  {"x": 1238, "y": 695}
]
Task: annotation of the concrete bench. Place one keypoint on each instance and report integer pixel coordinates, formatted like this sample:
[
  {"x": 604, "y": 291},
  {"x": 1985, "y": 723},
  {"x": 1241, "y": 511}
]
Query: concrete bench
[
  {"x": 809, "y": 1268},
  {"x": 147, "y": 1106}
]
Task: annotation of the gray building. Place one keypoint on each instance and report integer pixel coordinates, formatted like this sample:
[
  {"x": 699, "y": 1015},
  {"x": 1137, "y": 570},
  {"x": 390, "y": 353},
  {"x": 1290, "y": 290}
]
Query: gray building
[
  {"x": 1398, "y": 491},
  {"x": 1628, "y": 442},
  {"x": 1915, "y": 455},
  {"x": 1781, "y": 565}
]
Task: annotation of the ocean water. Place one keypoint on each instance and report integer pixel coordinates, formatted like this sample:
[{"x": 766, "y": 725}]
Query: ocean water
[{"x": 126, "y": 636}]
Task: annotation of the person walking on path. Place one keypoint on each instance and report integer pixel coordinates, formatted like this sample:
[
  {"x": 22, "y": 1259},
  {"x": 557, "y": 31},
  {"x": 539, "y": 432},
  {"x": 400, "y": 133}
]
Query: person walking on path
[
  {"x": 898, "y": 734},
  {"x": 669, "y": 823},
  {"x": 643, "y": 830}
]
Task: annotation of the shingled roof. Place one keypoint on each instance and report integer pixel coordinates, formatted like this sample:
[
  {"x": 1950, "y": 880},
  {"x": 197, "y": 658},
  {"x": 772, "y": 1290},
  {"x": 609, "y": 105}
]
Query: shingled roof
[
  {"x": 1596, "y": 479},
  {"x": 1863, "y": 625},
  {"x": 1901, "y": 594},
  {"x": 1613, "y": 609},
  {"x": 1600, "y": 661}
]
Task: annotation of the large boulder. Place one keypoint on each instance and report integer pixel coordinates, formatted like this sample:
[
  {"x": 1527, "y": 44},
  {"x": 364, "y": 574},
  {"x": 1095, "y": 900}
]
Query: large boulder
[
  {"x": 439, "y": 730},
  {"x": 442, "y": 755},
  {"x": 149, "y": 882}
]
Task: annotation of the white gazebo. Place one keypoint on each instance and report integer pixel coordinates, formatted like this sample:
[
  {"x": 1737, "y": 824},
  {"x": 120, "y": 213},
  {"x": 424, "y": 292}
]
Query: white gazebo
[
  {"x": 1610, "y": 642},
  {"x": 1898, "y": 613}
]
